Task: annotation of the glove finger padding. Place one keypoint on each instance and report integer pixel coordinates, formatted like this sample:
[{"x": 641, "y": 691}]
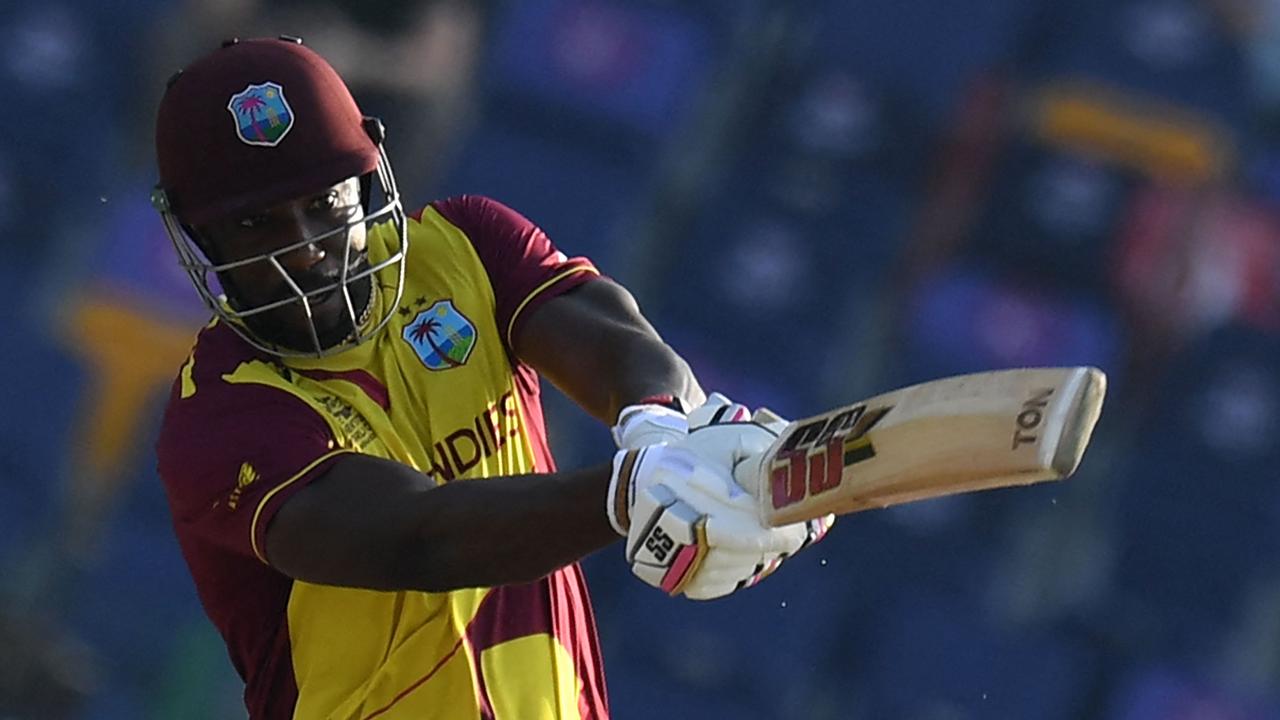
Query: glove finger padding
[
  {"x": 711, "y": 585},
  {"x": 725, "y": 571},
  {"x": 714, "y": 572},
  {"x": 770, "y": 419},
  {"x": 817, "y": 529},
  {"x": 740, "y": 437},
  {"x": 643, "y": 425},
  {"x": 742, "y": 531},
  {"x": 731, "y": 445},
  {"x": 718, "y": 409}
]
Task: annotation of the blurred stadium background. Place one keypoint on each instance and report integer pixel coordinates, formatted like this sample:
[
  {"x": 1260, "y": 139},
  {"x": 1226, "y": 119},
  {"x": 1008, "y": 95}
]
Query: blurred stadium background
[{"x": 814, "y": 201}]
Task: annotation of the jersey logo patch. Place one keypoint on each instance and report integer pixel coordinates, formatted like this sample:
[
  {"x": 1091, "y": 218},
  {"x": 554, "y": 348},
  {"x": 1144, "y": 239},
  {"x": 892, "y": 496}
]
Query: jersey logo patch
[
  {"x": 262, "y": 115},
  {"x": 442, "y": 336}
]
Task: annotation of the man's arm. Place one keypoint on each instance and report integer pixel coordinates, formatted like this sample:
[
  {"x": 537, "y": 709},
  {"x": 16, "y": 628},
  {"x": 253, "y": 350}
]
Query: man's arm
[
  {"x": 594, "y": 344},
  {"x": 378, "y": 524}
]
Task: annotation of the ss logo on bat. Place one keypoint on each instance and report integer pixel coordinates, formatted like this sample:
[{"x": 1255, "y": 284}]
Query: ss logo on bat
[{"x": 813, "y": 458}]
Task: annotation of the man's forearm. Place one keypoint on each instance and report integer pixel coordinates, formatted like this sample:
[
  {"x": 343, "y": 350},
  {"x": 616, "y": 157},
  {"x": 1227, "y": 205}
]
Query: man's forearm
[
  {"x": 595, "y": 345},
  {"x": 379, "y": 524},
  {"x": 508, "y": 529},
  {"x": 648, "y": 367}
]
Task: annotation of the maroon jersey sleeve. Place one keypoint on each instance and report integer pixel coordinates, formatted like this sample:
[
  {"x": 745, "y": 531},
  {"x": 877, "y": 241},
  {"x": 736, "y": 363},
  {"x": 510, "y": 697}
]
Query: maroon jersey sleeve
[
  {"x": 525, "y": 268},
  {"x": 229, "y": 455}
]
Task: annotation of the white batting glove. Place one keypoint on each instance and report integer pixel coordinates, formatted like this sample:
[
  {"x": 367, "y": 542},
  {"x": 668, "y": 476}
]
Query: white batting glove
[
  {"x": 648, "y": 424},
  {"x": 640, "y": 426},
  {"x": 730, "y": 419},
  {"x": 690, "y": 528},
  {"x": 720, "y": 410}
]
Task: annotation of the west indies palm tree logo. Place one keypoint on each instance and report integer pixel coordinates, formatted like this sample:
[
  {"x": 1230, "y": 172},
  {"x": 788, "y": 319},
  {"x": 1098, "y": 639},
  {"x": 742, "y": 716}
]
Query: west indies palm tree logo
[
  {"x": 263, "y": 116},
  {"x": 441, "y": 335}
]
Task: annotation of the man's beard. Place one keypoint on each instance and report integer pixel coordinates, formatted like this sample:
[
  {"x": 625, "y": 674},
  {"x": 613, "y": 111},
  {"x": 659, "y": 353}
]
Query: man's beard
[{"x": 289, "y": 327}]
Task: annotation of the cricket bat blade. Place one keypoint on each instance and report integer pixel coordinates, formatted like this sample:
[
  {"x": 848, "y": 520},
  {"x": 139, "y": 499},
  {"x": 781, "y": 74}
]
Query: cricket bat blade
[{"x": 947, "y": 436}]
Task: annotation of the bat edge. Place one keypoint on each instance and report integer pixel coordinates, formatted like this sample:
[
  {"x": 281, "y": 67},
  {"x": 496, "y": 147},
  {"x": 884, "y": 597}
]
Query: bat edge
[{"x": 1081, "y": 418}]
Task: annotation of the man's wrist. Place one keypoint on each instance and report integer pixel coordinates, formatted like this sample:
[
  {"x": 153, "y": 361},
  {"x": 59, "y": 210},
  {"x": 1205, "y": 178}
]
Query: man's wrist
[{"x": 667, "y": 400}]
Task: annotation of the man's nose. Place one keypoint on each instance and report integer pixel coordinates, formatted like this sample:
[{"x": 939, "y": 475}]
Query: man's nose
[{"x": 308, "y": 255}]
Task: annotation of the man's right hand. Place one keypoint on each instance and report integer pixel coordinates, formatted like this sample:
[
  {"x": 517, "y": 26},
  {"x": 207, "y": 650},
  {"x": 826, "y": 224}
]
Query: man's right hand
[{"x": 690, "y": 528}]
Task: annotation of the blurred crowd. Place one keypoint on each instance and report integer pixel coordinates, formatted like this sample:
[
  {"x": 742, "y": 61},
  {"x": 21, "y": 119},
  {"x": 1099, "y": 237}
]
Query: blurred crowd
[{"x": 814, "y": 201}]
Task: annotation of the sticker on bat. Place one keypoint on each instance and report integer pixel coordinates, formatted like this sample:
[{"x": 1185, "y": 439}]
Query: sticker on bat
[
  {"x": 812, "y": 459},
  {"x": 1029, "y": 418}
]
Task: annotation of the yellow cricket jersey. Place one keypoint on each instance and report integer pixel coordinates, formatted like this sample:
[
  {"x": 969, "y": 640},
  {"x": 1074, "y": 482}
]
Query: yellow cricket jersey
[{"x": 438, "y": 389}]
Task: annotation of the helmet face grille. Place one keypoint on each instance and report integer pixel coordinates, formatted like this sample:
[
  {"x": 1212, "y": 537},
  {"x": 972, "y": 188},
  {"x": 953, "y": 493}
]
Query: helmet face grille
[{"x": 371, "y": 287}]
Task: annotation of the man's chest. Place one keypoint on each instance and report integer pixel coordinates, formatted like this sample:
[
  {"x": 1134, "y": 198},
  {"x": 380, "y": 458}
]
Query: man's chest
[{"x": 435, "y": 388}]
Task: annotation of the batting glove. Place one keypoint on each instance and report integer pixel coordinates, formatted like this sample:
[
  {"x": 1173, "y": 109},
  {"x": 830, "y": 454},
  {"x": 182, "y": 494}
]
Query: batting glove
[
  {"x": 690, "y": 528},
  {"x": 649, "y": 423},
  {"x": 725, "y": 429}
]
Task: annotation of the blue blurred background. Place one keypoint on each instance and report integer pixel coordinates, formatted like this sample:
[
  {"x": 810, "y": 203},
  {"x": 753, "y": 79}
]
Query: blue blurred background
[{"x": 814, "y": 201}]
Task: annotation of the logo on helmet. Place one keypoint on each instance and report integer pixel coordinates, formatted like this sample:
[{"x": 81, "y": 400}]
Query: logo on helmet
[{"x": 263, "y": 117}]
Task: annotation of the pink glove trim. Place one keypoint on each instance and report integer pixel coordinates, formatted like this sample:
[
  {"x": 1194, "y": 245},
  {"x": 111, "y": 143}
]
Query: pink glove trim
[{"x": 686, "y": 562}]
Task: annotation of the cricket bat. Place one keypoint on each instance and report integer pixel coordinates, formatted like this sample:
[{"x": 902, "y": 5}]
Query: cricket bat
[{"x": 948, "y": 436}]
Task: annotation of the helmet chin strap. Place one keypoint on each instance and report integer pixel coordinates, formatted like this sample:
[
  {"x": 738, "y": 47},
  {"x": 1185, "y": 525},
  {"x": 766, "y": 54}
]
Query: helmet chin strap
[
  {"x": 377, "y": 132},
  {"x": 366, "y": 191}
]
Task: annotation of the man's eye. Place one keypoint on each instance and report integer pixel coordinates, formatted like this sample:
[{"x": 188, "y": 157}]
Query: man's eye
[{"x": 328, "y": 201}]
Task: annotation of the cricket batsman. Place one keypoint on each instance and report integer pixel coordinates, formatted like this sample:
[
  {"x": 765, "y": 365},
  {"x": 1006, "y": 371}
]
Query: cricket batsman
[{"x": 354, "y": 452}]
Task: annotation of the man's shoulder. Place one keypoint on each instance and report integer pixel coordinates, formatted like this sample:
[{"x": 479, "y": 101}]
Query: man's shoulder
[
  {"x": 218, "y": 348},
  {"x": 227, "y": 400},
  {"x": 468, "y": 208},
  {"x": 208, "y": 388},
  {"x": 217, "y": 352},
  {"x": 483, "y": 220},
  {"x": 460, "y": 239}
]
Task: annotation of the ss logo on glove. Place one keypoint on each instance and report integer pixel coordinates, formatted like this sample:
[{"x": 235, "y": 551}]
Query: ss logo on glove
[{"x": 659, "y": 544}]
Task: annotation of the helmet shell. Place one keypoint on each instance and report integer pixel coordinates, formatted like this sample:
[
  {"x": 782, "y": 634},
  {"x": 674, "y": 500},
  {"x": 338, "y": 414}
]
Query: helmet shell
[{"x": 299, "y": 133}]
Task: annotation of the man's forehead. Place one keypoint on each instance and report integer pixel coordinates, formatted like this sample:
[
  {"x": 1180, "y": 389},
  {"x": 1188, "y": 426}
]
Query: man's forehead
[{"x": 347, "y": 189}]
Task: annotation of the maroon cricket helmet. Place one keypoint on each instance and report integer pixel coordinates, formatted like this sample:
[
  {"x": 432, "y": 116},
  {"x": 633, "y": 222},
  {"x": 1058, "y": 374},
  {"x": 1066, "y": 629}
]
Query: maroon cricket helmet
[
  {"x": 261, "y": 122},
  {"x": 253, "y": 124}
]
